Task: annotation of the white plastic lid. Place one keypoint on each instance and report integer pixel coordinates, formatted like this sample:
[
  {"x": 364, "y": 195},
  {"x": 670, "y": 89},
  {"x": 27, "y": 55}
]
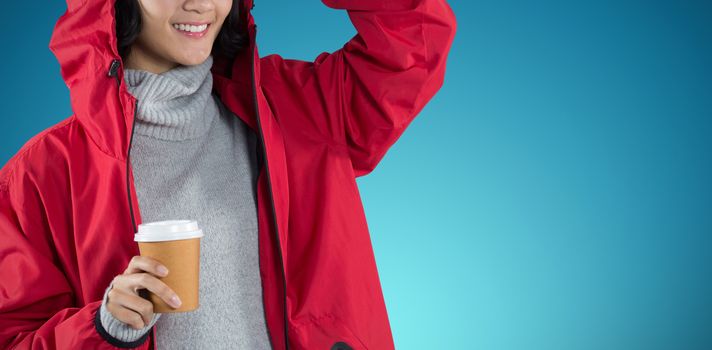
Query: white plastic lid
[{"x": 168, "y": 230}]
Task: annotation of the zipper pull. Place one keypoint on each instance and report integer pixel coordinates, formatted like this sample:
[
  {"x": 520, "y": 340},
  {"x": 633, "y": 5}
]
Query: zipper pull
[{"x": 114, "y": 69}]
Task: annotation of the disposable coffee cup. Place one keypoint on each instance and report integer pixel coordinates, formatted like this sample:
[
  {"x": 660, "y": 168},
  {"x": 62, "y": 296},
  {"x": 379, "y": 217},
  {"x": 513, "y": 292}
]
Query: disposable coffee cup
[{"x": 175, "y": 244}]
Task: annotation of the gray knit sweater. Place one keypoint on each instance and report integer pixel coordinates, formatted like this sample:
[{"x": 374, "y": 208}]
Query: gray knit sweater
[{"x": 193, "y": 159}]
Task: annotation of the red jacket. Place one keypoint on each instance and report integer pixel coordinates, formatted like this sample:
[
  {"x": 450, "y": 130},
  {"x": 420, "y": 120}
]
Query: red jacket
[{"x": 68, "y": 207}]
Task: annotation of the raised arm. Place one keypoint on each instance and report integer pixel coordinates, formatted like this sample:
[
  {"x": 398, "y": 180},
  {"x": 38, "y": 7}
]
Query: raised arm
[{"x": 365, "y": 94}]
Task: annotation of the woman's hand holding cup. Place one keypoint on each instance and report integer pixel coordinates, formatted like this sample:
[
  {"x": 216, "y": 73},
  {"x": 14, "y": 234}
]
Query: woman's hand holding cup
[{"x": 123, "y": 300}]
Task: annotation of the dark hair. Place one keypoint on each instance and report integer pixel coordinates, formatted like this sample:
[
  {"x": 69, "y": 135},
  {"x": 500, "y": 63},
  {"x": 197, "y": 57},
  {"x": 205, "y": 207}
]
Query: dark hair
[{"x": 228, "y": 43}]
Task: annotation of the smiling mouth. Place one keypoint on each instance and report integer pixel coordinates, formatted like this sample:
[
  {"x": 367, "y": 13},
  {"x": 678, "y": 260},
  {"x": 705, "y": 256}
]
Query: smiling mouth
[{"x": 192, "y": 30}]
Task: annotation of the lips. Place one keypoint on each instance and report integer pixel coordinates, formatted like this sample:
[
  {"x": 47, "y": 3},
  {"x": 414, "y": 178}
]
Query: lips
[
  {"x": 191, "y": 27},
  {"x": 192, "y": 30}
]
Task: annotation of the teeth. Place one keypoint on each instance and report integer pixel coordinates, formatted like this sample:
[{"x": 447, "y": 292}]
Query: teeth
[{"x": 190, "y": 28}]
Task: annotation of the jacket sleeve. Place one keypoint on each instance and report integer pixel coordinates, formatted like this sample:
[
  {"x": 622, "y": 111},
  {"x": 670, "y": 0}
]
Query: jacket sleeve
[
  {"x": 363, "y": 95},
  {"x": 37, "y": 307}
]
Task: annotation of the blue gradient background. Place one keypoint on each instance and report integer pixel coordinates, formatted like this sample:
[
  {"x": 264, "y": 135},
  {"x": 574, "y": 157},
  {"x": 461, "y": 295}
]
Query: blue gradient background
[{"x": 555, "y": 194}]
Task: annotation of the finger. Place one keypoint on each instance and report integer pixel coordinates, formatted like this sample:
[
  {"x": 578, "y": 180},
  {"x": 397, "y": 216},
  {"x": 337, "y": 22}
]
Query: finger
[
  {"x": 146, "y": 264},
  {"x": 133, "y": 303},
  {"x": 125, "y": 315},
  {"x": 138, "y": 281},
  {"x": 128, "y": 317}
]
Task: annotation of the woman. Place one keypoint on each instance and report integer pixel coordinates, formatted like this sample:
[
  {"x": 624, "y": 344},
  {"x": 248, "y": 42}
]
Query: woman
[{"x": 264, "y": 152}]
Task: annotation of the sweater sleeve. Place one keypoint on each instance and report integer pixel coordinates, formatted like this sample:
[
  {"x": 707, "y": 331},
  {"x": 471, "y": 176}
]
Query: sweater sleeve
[{"x": 117, "y": 328}]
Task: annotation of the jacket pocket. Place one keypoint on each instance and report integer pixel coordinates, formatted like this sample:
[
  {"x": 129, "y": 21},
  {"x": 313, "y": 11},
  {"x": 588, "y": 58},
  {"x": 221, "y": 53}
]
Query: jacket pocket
[{"x": 325, "y": 332}]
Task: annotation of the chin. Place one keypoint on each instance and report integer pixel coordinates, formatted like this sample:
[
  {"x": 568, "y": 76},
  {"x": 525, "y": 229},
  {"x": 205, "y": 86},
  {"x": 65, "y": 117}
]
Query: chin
[{"x": 194, "y": 59}]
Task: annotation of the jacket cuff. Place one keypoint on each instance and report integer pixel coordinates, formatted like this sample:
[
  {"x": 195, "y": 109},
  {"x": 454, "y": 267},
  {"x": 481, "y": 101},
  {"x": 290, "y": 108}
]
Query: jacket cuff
[
  {"x": 372, "y": 5},
  {"x": 118, "y": 333}
]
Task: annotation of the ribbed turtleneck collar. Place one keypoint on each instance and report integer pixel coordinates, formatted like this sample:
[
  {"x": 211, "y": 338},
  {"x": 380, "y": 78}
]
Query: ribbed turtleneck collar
[{"x": 176, "y": 104}]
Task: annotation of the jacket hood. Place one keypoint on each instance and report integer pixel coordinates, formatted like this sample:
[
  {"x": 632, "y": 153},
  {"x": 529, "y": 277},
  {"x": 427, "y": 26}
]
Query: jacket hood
[{"x": 85, "y": 44}]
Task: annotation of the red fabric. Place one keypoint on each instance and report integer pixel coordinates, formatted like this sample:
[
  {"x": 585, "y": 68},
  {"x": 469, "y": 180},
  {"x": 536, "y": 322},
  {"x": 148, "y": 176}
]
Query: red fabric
[{"x": 65, "y": 221}]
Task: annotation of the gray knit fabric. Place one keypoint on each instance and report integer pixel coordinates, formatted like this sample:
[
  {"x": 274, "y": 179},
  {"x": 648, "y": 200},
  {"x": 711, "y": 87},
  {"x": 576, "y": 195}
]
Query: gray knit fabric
[{"x": 193, "y": 159}]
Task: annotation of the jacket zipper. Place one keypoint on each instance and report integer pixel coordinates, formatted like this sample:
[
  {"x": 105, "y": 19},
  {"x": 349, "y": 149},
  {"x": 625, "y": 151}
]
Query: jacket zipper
[
  {"x": 128, "y": 184},
  {"x": 269, "y": 186},
  {"x": 113, "y": 72}
]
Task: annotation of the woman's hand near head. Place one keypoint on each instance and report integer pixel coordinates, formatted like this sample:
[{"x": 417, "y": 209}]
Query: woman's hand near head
[{"x": 123, "y": 300}]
